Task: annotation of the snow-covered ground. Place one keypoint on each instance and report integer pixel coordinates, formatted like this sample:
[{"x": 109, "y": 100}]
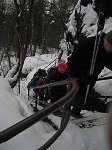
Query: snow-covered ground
[{"x": 14, "y": 107}]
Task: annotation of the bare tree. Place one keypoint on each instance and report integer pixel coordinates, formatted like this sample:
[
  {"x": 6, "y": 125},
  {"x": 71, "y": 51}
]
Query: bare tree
[{"x": 22, "y": 39}]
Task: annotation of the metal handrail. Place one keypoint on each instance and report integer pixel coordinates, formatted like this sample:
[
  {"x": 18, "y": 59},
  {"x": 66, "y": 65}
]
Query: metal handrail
[
  {"x": 104, "y": 78},
  {"x": 65, "y": 119},
  {"x": 17, "y": 128}
]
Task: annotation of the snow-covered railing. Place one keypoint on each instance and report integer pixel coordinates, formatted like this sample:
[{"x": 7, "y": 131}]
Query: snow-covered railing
[{"x": 14, "y": 130}]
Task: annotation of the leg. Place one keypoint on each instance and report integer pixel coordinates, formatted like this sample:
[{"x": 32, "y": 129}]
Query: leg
[{"x": 77, "y": 104}]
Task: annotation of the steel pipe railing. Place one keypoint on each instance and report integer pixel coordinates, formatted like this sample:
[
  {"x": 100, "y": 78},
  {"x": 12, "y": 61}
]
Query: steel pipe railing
[
  {"x": 64, "y": 121},
  {"x": 14, "y": 130},
  {"x": 104, "y": 78}
]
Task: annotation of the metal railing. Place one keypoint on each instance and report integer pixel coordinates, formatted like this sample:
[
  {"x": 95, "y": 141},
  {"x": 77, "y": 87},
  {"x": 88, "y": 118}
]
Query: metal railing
[{"x": 19, "y": 127}]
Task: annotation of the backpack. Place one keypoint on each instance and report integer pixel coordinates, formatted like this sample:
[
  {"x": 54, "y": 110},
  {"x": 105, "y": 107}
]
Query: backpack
[
  {"x": 51, "y": 69},
  {"x": 33, "y": 82},
  {"x": 41, "y": 73}
]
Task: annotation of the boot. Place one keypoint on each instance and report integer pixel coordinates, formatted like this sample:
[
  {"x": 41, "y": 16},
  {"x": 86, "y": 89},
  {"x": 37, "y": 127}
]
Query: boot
[{"x": 76, "y": 112}]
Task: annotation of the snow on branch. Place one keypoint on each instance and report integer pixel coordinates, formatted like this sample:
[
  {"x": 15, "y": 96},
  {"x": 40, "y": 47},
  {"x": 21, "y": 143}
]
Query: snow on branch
[{"x": 10, "y": 75}]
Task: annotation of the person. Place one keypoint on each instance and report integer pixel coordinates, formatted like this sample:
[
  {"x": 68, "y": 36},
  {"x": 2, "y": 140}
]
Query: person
[
  {"x": 40, "y": 74},
  {"x": 57, "y": 74},
  {"x": 79, "y": 64}
]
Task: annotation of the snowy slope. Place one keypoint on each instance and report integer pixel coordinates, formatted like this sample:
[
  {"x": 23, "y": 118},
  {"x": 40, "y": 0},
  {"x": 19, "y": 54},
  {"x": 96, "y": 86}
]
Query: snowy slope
[{"x": 13, "y": 108}]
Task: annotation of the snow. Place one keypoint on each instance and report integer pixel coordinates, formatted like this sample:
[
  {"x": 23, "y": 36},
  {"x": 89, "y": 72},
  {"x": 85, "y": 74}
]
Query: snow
[
  {"x": 11, "y": 113},
  {"x": 73, "y": 137},
  {"x": 90, "y": 19},
  {"x": 14, "y": 106},
  {"x": 103, "y": 86}
]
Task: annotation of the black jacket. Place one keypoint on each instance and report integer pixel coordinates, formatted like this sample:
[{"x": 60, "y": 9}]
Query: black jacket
[
  {"x": 57, "y": 91},
  {"x": 80, "y": 62}
]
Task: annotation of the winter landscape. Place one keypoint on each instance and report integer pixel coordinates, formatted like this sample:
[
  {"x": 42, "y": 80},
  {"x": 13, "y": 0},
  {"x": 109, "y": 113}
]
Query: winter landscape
[
  {"x": 15, "y": 103},
  {"x": 14, "y": 107}
]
